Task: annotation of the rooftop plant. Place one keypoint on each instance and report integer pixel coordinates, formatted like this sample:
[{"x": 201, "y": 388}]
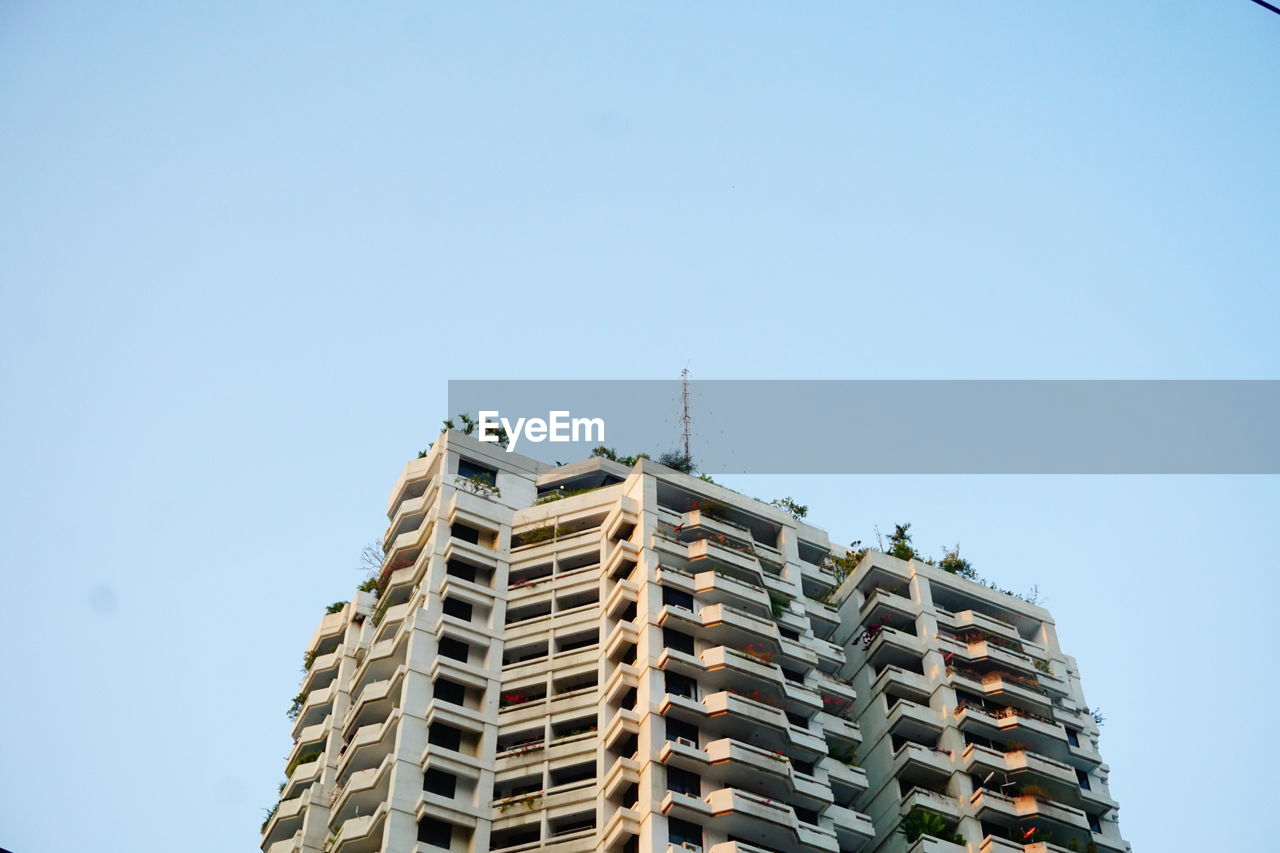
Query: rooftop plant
[
  {"x": 791, "y": 507},
  {"x": 335, "y": 607}
]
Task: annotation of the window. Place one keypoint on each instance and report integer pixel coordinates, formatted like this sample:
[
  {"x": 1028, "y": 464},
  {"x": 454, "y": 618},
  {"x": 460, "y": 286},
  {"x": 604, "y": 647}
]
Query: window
[
  {"x": 449, "y": 691},
  {"x": 681, "y": 685},
  {"x": 677, "y": 598},
  {"x": 445, "y": 736},
  {"x": 439, "y": 782},
  {"x": 680, "y": 730},
  {"x": 682, "y": 831},
  {"x": 1095, "y": 825},
  {"x": 436, "y": 833},
  {"x": 678, "y": 641},
  {"x": 459, "y": 569},
  {"x": 684, "y": 782},
  {"x": 465, "y": 533},
  {"x": 455, "y": 649},
  {"x": 1073, "y": 736},
  {"x": 457, "y": 609},
  {"x": 1083, "y": 778},
  {"x": 468, "y": 469}
]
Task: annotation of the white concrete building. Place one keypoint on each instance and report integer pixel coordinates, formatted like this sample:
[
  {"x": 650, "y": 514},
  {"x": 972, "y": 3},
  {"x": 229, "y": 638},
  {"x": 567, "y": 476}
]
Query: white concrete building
[{"x": 593, "y": 657}]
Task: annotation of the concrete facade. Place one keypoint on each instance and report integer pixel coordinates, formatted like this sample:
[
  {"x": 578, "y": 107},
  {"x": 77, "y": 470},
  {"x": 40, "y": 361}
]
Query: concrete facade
[{"x": 594, "y": 657}]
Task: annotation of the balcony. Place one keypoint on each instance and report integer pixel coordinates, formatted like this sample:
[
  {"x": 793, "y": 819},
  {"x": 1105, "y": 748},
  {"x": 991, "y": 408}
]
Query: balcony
[
  {"x": 360, "y": 834},
  {"x": 942, "y": 804},
  {"x": 913, "y": 721},
  {"x": 999, "y": 808},
  {"x": 362, "y": 792},
  {"x": 892, "y": 646},
  {"x": 716, "y": 588},
  {"x": 1044, "y": 736},
  {"x": 853, "y": 829},
  {"x": 981, "y": 760},
  {"x": 293, "y": 844},
  {"x": 370, "y": 745},
  {"x": 824, "y": 617},
  {"x": 847, "y": 781},
  {"x": 908, "y": 683},
  {"x": 922, "y": 761},
  {"x": 287, "y": 820}
]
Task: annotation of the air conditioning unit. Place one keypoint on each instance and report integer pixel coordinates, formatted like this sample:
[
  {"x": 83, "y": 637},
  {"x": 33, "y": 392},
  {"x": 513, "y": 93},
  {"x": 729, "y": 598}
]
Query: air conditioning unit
[
  {"x": 689, "y": 845},
  {"x": 692, "y": 745}
]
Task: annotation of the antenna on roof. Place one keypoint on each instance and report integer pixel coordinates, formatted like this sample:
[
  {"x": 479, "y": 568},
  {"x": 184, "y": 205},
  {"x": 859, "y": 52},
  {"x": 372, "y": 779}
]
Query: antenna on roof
[{"x": 685, "y": 420}]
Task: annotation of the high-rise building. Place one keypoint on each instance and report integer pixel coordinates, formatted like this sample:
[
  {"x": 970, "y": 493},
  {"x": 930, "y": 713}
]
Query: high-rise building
[{"x": 603, "y": 657}]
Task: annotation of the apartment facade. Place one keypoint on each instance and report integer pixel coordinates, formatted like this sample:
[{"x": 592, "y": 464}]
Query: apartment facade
[{"x": 596, "y": 657}]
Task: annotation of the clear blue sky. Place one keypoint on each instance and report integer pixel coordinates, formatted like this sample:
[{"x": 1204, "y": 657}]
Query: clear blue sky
[{"x": 243, "y": 247}]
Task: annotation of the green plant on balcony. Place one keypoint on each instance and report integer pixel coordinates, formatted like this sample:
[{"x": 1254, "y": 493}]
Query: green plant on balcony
[
  {"x": 612, "y": 455},
  {"x": 778, "y": 604},
  {"x": 1090, "y": 847},
  {"x": 920, "y": 821},
  {"x": 1033, "y": 790},
  {"x": 308, "y": 659},
  {"x": 271, "y": 812},
  {"x": 545, "y": 533},
  {"x": 560, "y": 494},
  {"x": 336, "y": 607},
  {"x": 368, "y": 585},
  {"x": 478, "y": 485},
  {"x": 296, "y": 707},
  {"x": 845, "y": 755},
  {"x": 303, "y": 758},
  {"x": 380, "y": 612},
  {"x": 1042, "y": 665}
]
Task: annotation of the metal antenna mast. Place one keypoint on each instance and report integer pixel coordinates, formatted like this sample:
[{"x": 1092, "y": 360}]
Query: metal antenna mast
[{"x": 685, "y": 420}]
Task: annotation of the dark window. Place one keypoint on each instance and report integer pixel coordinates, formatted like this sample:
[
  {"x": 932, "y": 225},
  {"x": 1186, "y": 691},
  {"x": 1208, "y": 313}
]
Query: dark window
[
  {"x": 1083, "y": 778},
  {"x": 805, "y": 767},
  {"x": 456, "y": 649},
  {"x": 574, "y": 773},
  {"x": 681, "y": 685},
  {"x": 446, "y": 736},
  {"x": 681, "y": 729},
  {"x": 465, "y": 533},
  {"x": 449, "y": 691},
  {"x": 458, "y": 609},
  {"x": 439, "y": 782},
  {"x": 1073, "y": 737},
  {"x": 677, "y": 598},
  {"x": 796, "y": 720},
  {"x": 437, "y": 833},
  {"x": 467, "y": 468},
  {"x": 684, "y": 782},
  {"x": 677, "y": 640},
  {"x": 459, "y": 569},
  {"x": 679, "y": 831},
  {"x": 793, "y": 676},
  {"x": 788, "y": 633},
  {"x": 1095, "y": 825}
]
